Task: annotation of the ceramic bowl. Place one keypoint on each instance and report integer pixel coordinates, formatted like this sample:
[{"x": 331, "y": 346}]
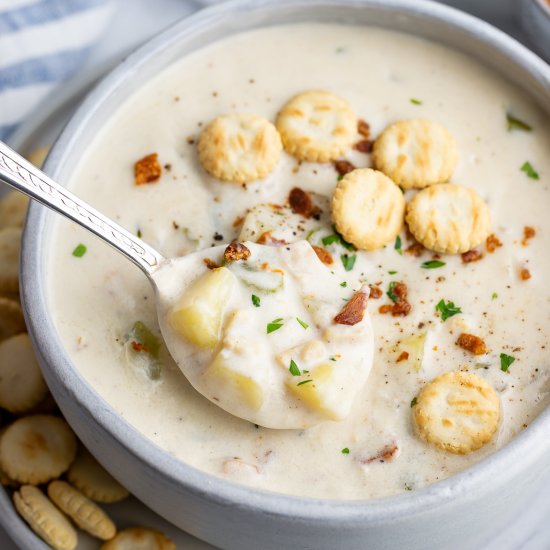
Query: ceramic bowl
[
  {"x": 535, "y": 22},
  {"x": 460, "y": 512}
]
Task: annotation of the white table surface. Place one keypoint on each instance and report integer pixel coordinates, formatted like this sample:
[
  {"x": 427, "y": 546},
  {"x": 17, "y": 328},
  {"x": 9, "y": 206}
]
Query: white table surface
[{"x": 134, "y": 21}]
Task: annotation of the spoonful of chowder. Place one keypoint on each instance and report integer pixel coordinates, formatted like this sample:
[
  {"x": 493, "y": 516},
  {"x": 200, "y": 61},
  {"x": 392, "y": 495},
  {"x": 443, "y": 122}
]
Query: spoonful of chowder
[{"x": 267, "y": 333}]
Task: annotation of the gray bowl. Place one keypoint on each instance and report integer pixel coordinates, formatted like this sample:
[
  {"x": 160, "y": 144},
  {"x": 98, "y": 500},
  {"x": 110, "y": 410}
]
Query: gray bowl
[{"x": 460, "y": 512}]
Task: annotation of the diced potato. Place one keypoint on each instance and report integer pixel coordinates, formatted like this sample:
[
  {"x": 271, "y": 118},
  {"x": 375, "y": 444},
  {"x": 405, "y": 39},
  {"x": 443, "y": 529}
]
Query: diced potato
[
  {"x": 198, "y": 315},
  {"x": 414, "y": 346},
  {"x": 233, "y": 384},
  {"x": 317, "y": 390}
]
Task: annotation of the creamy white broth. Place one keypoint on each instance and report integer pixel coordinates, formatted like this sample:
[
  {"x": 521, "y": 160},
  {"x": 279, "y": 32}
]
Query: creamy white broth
[{"x": 97, "y": 298}]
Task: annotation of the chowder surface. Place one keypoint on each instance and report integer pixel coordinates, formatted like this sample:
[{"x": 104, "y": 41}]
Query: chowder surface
[{"x": 97, "y": 298}]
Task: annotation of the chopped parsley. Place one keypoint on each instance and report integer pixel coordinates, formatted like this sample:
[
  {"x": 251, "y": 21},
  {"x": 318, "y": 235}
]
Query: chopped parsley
[
  {"x": 255, "y": 300},
  {"x": 340, "y": 177},
  {"x": 348, "y": 261},
  {"x": 432, "y": 264},
  {"x": 304, "y": 382},
  {"x": 506, "y": 361},
  {"x": 447, "y": 309},
  {"x": 415, "y": 101},
  {"x": 303, "y": 323},
  {"x": 527, "y": 167},
  {"x": 294, "y": 370},
  {"x": 139, "y": 233},
  {"x": 392, "y": 272},
  {"x": 332, "y": 358},
  {"x": 494, "y": 296},
  {"x": 79, "y": 251},
  {"x": 397, "y": 245},
  {"x": 514, "y": 123},
  {"x": 345, "y": 451},
  {"x": 344, "y": 284},
  {"x": 330, "y": 239},
  {"x": 391, "y": 295},
  {"x": 337, "y": 238},
  {"x": 276, "y": 324},
  {"x": 414, "y": 401}
]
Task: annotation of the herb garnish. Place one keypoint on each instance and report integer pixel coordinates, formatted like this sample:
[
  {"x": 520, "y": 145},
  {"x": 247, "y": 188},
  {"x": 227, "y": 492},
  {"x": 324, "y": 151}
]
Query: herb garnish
[
  {"x": 255, "y": 300},
  {"x": 506, "y": 361},
  {"x": 139, "y": 233},
  {"x": 514, "y": 123},
  {"x": 294, "y": 370},
  {"x": 276, "y": 324},
  {"x": 447, "y": 309},
  {"x": 397, "y": 245},
  {"x": 337, "y": 238},
  {"x": 303, "y": 323},
  {"x": 345, "y": 451},
  {"x": 340, "y": 177},
  {"x": 332, "y": 358},
  {"x": 392, "y": 272},
  {"x": 348, "y": 261},
  {"x": 344, "y": 284},
  {"x": 414, "y": 401},
  {"x": 304, "y": 382},
  {"x": 494, "y": 296},
  {"x": 79, "y": 251},
  {"x": 393, "y": 297},
  {"x": 432, "y": 264},
  {"x": 527, "y": 167},
  {"x": 330, "y": 239},
  {"x": 415, "y": 101}
]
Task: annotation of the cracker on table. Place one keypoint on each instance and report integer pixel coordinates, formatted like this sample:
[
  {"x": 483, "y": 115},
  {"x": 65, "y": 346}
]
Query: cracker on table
[
  {"x": 239, "y": 147},
  {"x": 458, "y": 412},
  {"x": 317, "y": 126},
  {"x": 89, "y": 477},
  {"x": 11, "y": 318},
  {"x": 10, "y": 244},
  {"x": 415, "y": 153},
  {"x": 139, "y": 538},
  {"x": 368, "y": 208},
  {"x": 22, "y": 385},
  {"x": 85, "y": 513},
  {"x": 35, "y": 449},
  {"x": 448, "y": 218},
  {"x": 44, "y": 518},
  {"x": 13, "y": 208}
]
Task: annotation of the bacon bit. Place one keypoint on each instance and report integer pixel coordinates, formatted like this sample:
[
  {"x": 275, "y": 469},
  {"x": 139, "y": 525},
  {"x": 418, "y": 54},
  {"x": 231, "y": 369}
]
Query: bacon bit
[
  {"x": 138, "y": 346},
  {"x": 471, "y": 256},
  {"x": 363, "y": 128},
  {"x": 375, "y": 292},
  {"x": 301, "y": 203},
  {"x": 473, "y": 344},
  {"x": 528, "y": 233},
  {"x": 354, "y": 311},
  {"x": 492, "y": 243},
  {"x": 343, "y": 167},
  {"x": 210, "y": 264},
  {"x": 524, "y": 274},
  {"x": 147, "y": 169},
  {"x": 190, "y": 140},
  {"x": 363, "y": 146},
  {"x": 401, "y": 307},
  {"x": 235, "y": 252},
  {"x": 402, "y": 357},
  {"x": 267, "y": 238},
  {"x": 386, "y": 454},
  {"x": 415, "y": 250},
  {"x": 323, "y": 254},
  {"x": 238, "y": 221}
]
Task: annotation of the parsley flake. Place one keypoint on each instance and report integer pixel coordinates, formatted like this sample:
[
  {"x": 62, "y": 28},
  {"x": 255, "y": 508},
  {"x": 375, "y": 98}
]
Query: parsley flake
[
  {"x": 304, "y": 382},
  {"x": 348, "y": 261},
  {"x": 514, "y": 123},
  {"x": 506, "y": 361},
  {"x": 392, "y": 272},
  {"x": 397, "y": 245},
  {"x": 303, "y": 323},
  {"x": 294, "y": 370},
  {"x": 79, "y": 251},
  {"x": 527, "y": 167},
  {"x": 276, "y": 324},
  {"x": 345, "y": 451},
  {"x": 414, "y": 401},
  {"x": 330, "y": 239},
  {"x": 344, "y": 284},
  {"x": 340, "y": 177},
  {"x": 139, "y": 233},
  {"x": 432, "y": 264},
  {"x": 415, "y": 101},
  {"x": 332, "y": 358},
  {"x": 494, "y": 296},
  {"x": 447, "y": 309},
  {"x": 391, "y": 295},
  {"x": 255, "y": 300}
]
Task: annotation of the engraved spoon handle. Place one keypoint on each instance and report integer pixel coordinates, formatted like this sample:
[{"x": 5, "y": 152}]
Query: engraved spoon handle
[{"x": 23, "y": 176}]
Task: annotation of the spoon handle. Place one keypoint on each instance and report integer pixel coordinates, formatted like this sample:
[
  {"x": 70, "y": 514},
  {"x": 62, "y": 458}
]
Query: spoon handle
[{"x": 23, "y": 176}]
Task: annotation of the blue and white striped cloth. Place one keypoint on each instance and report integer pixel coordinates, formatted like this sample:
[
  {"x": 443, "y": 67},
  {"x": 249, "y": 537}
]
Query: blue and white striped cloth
[{"x": 42, "y": 43}]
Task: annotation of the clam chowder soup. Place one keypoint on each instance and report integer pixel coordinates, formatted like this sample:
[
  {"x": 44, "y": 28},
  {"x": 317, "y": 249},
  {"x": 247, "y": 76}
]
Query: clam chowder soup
[{"x": 369, "y": 312}]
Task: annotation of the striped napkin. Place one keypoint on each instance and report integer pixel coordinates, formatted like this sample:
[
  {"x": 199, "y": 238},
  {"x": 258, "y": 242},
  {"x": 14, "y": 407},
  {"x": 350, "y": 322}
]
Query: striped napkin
[{"x": 42, "y": 43}]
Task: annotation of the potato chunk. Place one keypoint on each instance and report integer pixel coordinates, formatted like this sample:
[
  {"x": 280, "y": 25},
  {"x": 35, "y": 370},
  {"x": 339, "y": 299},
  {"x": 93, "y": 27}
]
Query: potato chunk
[
  {"x": 198, "y": 315},
  {"x": 239, "y": 386}
]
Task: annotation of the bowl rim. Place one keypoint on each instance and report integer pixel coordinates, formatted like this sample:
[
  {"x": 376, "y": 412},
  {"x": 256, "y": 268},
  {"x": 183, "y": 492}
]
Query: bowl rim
[{"x": 502, "y": 466}]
